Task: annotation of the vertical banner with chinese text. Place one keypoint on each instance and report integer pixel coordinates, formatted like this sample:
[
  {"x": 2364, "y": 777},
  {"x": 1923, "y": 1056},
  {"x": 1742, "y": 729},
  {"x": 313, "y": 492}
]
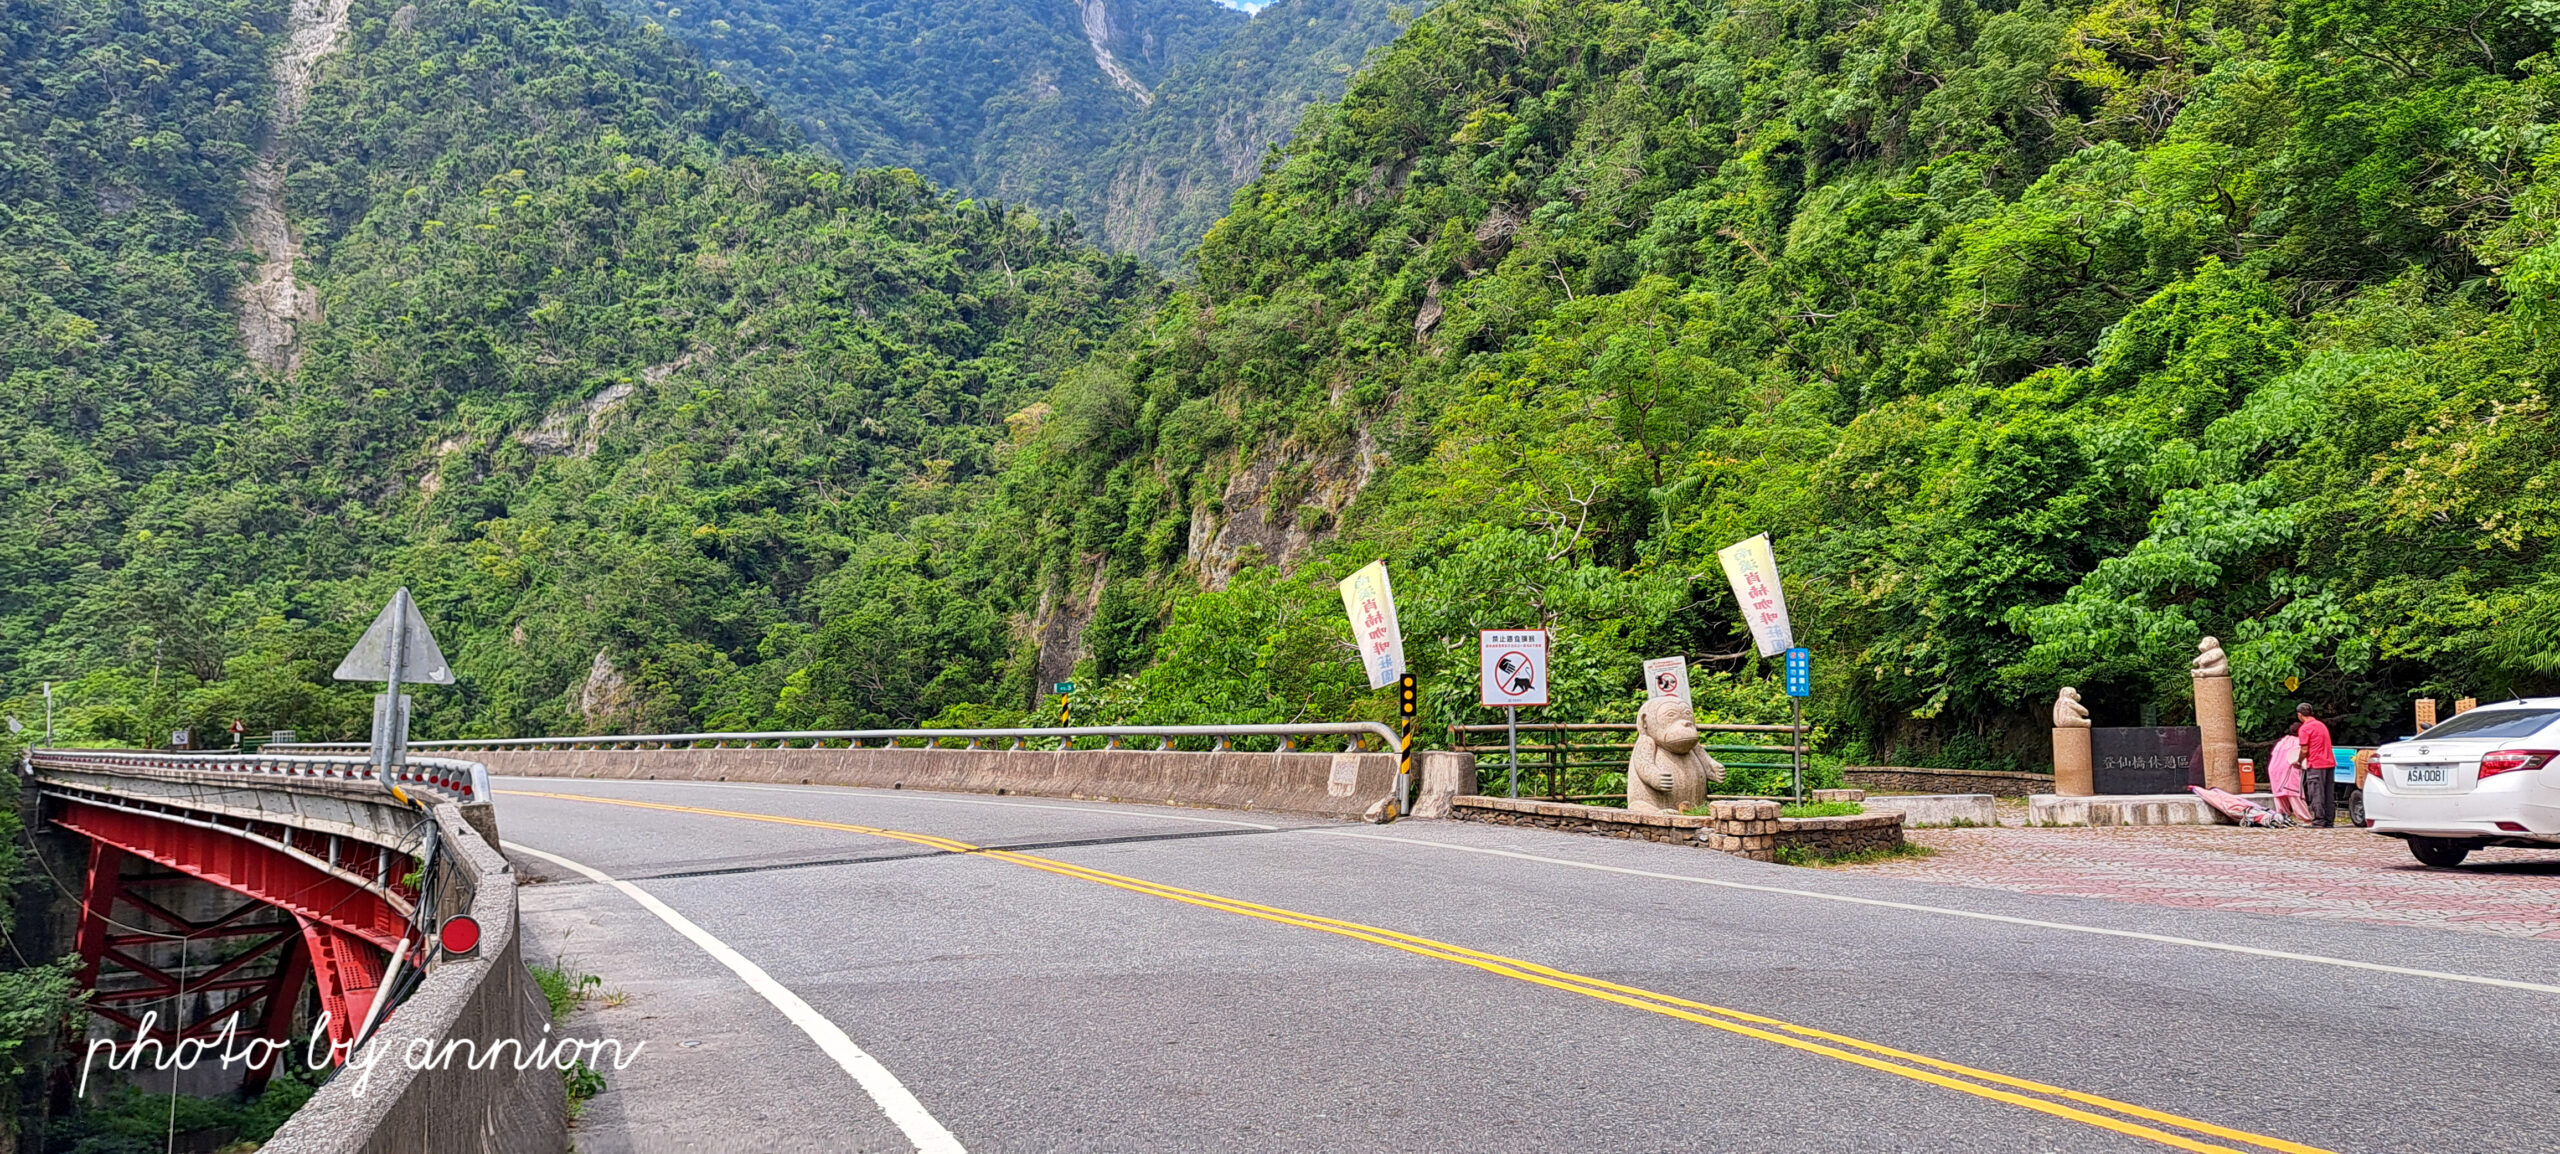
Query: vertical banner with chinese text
[
  {"x": 1371, "y": 605},
  {"x": 1753, "y": 568}
]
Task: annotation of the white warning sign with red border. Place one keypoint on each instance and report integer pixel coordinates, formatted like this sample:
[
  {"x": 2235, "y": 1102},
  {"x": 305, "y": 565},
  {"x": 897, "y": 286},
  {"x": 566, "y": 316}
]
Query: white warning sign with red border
[{"x": 1514, "y": 663}]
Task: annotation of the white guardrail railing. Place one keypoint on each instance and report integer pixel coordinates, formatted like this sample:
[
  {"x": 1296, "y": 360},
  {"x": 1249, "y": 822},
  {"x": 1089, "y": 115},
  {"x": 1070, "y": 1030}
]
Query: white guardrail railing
[
  {"x": 453, "y": 778},
  {"x": 1219, "y": 737}
]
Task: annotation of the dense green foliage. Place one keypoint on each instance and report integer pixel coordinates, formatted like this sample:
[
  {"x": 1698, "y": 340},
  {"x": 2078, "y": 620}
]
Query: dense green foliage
[
  {"x": 2043, "y": 340},
  {"x": 1007, "y": 99},
  {"x": 609, "y": 365},
  {"x": 1002, "y": 98},
  {"x": 1215, "y": 120}
]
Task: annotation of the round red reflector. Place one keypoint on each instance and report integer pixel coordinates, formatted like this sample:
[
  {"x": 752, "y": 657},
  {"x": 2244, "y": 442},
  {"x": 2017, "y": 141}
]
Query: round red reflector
[{"x": 460, "y": 935}]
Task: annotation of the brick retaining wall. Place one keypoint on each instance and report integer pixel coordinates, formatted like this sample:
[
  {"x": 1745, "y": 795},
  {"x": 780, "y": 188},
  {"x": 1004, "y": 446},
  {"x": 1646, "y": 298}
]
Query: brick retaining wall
[{"x": 1907, "y": 779}]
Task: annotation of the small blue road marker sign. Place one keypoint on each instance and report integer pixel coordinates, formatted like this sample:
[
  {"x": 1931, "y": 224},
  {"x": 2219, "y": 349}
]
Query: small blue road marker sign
[{"x": 1799, "y": 672}]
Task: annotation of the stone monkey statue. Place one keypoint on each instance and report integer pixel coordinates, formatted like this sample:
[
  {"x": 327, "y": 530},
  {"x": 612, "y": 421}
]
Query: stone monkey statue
[
  {"x": 2210, "y": 660},
  {"x": 1668, "y": 772},
  {"x": 2068, "y": 713}
]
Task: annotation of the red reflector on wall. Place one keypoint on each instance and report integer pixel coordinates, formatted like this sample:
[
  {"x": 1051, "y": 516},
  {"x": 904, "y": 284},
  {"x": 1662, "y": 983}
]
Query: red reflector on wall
[{"x": 460, "y": 934}]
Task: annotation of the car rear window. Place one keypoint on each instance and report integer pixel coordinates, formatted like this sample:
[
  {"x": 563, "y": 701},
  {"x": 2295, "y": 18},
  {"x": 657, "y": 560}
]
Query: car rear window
[{"x": 2495, "y": 723}]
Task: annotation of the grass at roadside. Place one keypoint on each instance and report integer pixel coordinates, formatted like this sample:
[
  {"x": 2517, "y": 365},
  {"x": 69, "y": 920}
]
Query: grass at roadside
[
  {"x": 1822, "y": 809},
  {"x": 1799, "y": 856},
  {"x": 566, "y": 989}
]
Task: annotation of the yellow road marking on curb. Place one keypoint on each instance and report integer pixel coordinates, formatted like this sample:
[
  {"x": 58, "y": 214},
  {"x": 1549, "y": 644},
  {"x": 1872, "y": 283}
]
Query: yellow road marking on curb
[{"x": 1840, "y": 1047}]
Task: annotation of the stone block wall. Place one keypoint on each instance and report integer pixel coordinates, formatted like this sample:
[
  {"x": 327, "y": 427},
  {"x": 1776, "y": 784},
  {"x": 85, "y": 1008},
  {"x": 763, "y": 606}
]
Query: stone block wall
[
  {"x": 1905, "y": 779},
  {"x": 1743, "y": 828},
  {"x": 1675, "y": 828},
  {"x": 1839, "y": 836}
]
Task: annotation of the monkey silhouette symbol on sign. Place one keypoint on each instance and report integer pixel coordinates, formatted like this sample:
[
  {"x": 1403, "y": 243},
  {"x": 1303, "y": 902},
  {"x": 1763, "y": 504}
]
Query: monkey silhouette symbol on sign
[{"x": 1514, "y": 664}]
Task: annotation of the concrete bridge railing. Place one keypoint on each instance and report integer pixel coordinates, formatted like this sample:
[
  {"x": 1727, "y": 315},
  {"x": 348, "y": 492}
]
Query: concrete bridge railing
[
  {"x": 369, "y": 881},
  {"x": 1143, "y": 764},
  {"x": 438, "y": 1074}
]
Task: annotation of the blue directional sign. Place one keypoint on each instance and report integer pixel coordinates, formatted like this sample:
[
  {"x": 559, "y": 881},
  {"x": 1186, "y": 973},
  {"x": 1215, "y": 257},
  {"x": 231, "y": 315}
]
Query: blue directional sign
[{"x": 1799, "y": 672}]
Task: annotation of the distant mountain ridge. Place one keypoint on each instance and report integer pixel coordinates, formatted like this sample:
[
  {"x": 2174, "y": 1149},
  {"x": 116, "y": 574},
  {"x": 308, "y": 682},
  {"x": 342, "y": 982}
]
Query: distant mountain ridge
[{"x": 1143, "y": 116}]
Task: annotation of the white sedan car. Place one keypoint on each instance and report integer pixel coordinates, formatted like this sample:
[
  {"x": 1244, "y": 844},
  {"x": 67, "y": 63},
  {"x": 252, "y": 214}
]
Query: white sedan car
[{"x": 2483, "y": 778}]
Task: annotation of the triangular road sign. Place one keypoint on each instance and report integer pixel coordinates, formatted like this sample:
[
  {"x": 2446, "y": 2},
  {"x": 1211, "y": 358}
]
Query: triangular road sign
[{"x": 420, "y": 660}]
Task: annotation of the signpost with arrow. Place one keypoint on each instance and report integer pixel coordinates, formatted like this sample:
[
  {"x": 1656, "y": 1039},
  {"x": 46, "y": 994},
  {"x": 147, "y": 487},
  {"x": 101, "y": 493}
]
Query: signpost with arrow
[{"x": 396, "y": 649}]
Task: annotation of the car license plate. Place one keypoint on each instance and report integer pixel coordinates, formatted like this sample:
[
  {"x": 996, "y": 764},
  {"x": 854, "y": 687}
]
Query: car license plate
[{"x": 2428, "y": 775}]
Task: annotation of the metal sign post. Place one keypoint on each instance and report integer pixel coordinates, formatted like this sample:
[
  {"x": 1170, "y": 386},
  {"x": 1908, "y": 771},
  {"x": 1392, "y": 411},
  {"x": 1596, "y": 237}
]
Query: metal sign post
[
  {"x": 1511, "y": 739},
  {"x": 1066, "y": 691},
  {"x": 396, "y": 648},
  {"x": 1799, "y": 677}
]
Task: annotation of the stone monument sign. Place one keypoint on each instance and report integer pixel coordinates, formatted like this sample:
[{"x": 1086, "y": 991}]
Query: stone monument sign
[{"x": 2147, "y": 759}]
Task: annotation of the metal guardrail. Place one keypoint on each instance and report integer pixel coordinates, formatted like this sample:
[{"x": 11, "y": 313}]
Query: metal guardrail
[
  {"x": 1549, "y": 749},
  {"x": 455, "y": 779},
  {"x": 1217, "y": 737}
]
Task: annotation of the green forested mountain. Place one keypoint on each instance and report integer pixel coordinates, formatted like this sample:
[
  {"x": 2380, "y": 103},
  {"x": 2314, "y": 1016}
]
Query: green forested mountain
[
  {"x": 1143, "y": 116},
  {"x": 607, "y": 365},
  {"x": 2043, "y": 339},
  {"x": 1002, "y": 98},
  {"x": 1215, "y": 118}
]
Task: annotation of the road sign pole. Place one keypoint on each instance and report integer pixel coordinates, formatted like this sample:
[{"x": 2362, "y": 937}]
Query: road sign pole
[
  {"x": 393, "y": 743},
  {"x": 1511, "y": 728},
  {"x": 1797, "y": 704},
  {"x": 1407, "y": 707}
]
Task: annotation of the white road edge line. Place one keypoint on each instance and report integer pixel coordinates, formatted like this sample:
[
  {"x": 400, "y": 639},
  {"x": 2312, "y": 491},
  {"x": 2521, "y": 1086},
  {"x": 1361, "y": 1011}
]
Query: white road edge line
[
  {"x": 892, "y": 1096},
  {"x": 2070, "y": 927},
  {"x": 1123, "y": 809}
]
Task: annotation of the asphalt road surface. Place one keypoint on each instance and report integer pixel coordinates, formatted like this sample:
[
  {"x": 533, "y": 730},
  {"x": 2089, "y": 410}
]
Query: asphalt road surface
[{"x": 842, "y": 969}]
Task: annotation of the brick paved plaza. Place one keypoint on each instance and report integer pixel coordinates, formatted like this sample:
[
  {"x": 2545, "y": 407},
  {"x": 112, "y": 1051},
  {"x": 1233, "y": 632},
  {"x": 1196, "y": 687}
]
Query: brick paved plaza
[{"x": 2341, "y": 873}]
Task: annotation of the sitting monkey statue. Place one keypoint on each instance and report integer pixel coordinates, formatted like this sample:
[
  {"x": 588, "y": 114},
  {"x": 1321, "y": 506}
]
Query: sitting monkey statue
[{"x": 1668, "y": 772}]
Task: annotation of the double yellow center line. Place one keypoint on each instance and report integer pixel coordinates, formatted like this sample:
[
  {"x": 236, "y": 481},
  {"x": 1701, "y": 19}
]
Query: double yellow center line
[{"x": 2120, "y": 1117}]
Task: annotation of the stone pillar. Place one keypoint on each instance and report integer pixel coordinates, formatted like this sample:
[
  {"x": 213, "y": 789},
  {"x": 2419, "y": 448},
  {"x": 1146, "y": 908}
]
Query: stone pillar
[
  {"x": 2215, "y": 716},
  {"x": 1744, "y": 828},
  {"x": 2074, "y": 770}
]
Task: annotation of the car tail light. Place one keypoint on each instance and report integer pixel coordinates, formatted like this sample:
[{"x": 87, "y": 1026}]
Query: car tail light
[
  {"x": 2515, "y": 761},
  {"x": 2512, "y": 826}
]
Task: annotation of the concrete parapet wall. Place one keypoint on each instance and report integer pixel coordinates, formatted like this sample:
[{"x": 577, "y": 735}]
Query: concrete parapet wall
[
  {"x": 1274, "y": 782},
  {"x": 1938, "y": 808},
  {"x": 1906, "y": 779},
  {"x": 2130, "y": 809},
  {"x": 449, "y": 1108}
]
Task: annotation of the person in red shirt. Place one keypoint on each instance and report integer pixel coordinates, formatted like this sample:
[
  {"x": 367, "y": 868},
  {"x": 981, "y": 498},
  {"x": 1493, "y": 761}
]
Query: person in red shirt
[{"x": 2319, "y": 765}]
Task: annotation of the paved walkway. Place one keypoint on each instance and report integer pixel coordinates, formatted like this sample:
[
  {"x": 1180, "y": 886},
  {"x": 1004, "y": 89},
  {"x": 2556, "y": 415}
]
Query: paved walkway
[{"x": 2341, "y": 874}]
